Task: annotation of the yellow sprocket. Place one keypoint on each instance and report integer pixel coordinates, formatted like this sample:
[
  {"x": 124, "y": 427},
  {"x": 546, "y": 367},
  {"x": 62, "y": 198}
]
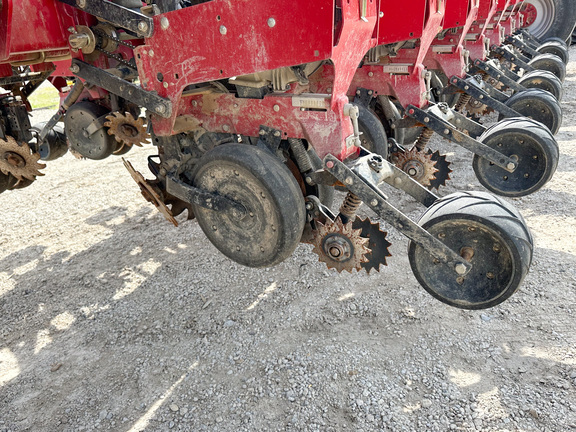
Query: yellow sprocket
[
  {"x": 19, "y": 160},
  {"x": 126, "y": 129},
  {"x": 418, "y": 165}
]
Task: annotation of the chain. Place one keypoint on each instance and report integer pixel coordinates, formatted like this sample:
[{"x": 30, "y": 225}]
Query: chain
[{"x": 109, "y": 54}]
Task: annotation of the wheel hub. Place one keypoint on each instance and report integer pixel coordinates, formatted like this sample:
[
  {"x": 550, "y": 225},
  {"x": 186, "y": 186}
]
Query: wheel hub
[
  {"x": 338, "y": 247},
  {"x": 14, "y": 159}
]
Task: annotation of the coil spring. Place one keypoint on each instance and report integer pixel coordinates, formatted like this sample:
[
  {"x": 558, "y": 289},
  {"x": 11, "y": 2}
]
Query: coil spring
[
  {"x": 350, "y": 205},
  {"x": 464, "y": 99},
  {"x": 423, "y": 139}
]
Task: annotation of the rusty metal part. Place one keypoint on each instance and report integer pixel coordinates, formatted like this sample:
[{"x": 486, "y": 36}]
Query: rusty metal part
[
  {"x": 424, "y": 138},
  {"x": 443, "y": 173},
  {"x": 475, "y": 108},
  {"x": 150, "y": 192},
  {"x": 377, "y": 243},
  {"x": 340, "y": 246},
  {"x": 126, "y": 129},
  {"x": 418, "y": 165},
  {"x": 462, "y": 101},
  {"x": 350, "y": 205},
  {"x": 19, "y": 160}
]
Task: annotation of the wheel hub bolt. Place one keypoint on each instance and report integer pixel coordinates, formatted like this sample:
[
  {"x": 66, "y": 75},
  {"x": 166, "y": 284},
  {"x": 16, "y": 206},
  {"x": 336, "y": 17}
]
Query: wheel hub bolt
[{"x": 460, "y": 268}]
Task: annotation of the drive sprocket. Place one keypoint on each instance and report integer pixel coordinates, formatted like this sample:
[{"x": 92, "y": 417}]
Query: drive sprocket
[
  {"x": 377, "y": 243},
  {"x": 340, "y": 246},
  {"x": 443, "y": 174},
  {"x": 418, "y": 165},
  {"x": 476, "y": 109},
  {"x": 150, "y": 192},
  {"x": 126, "y": 129},
  {"x": 19, "y": 160}
]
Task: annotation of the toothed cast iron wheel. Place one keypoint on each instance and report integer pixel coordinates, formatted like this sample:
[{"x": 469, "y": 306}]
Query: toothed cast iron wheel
[
  {"x": 551, "y": 63},
  {"x": 488, "y": 233},
  {"x": 533, "y": 148},
  {"x": 539, "y": 105},
  {"x": 271, "y": 226},
  {"x": 543, "y": 80}
]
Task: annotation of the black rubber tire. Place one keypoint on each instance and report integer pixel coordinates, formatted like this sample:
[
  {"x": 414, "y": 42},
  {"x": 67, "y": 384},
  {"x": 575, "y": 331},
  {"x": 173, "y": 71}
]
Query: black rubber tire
[
  {"x": 561, "y": 22},
  {"x": 543, "y": 80},
  {"x": 555, "y": 39},
  {"x": 54, "y": 145},
  {"x": 551, "y": 63},
  {"x": 373, "y": 136},
  {"x": 539, "y": 105},
  {"x": 275, "y": 213},
  {"x": 536, "y": 164},
  {"x": 556, "y": 48},
  {"x": 497, "y": 234},
  {"x": 4, "y": 181}
]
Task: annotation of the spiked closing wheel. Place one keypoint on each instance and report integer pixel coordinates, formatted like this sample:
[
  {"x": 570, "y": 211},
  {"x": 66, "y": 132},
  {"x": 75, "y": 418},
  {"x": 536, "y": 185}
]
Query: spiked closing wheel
[
  {"x": 18, "y": 160},
  {"x": 418, "y": 165},
  {"x": 443, "y": 173},
  {"x": 126, "y": 129},
  {"x": 377, "y": 243},
  {"x": 340, "y": 246}
]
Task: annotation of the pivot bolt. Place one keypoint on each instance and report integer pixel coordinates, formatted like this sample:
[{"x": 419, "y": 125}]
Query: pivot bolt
[
  {"x": 142, "y": 25},
  {"x": 460, "y": 268},
  {"x": 510, "y": 166},
  {"x": 75, "y": 68},
  {"x": 160, "y": 109}
]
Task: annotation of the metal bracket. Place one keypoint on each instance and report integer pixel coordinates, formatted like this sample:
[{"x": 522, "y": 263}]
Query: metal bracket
[
  {"x": 129, "y": 91},
  {"x": 376, "y": 200},
  {"x": 499, "y": 74},
  {"x": 270, "y": 139},
  {"x": 352, "y": 111},
  {"x": 505, "y": 53},
  {"x": 193, "y": 195},
  {"x": 363, "y": 96},
  {"x": 448, "y": 131},
  {"x": 118, "y": 15},
  {"x": 471, "y": 88},
  {"x": 96, "y": 125},
  {"x": 520, "y": 44}
]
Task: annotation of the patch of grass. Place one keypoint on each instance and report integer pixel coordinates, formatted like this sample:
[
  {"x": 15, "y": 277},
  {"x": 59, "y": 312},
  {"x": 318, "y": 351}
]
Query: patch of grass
[{"x": 45, "y": 97}]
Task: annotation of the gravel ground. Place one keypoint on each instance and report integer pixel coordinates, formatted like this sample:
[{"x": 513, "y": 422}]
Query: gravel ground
[{"x": 112, "y": 319}]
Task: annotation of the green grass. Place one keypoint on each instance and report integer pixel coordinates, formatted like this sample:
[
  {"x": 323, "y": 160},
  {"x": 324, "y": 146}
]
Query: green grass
[{"x": 45, "y": 97}]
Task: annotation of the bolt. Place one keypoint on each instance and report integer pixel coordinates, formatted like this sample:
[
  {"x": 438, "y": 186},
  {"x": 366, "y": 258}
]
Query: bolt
[
  {"x": 309, "y": 180},
  {"x": 277, "y": 133},
  {"x": 75, "y": 68},
  {"x": 223, "y": 30},
  {"x": 412, "y": 172},
  {"x": 374, "y": 203},
  {"x": 329, "y": 164},
  {"x": 460, "y": 268},
  {"x": 426, "y": 119},
  {"x": 160, "y": 109},
  {"x": 276, "y": 108},
  {"x": 309, "y": 206},
  {"x": 465, "y": 87},
  {"x": 81, "y": 3},
  {"x": 165, "y": 84},
  {"x": 271, "y": 22},
  {"x": 370, "y": 74},
  {"x": 164, "y": 23},
  {"x": 194, "y": 103},
  {"x": 510, "y": 166},
  {"x": 481, "y": 96},
  {"x": 163, "y": 171},
  {"x": 381, "y": 14},
  {"x": 142, "y": 26},
  {"x": 358, "y": 92},
  {"x": 226, "y": 128},
  {"x": 348, "y": 180},
  {"x": 446, "y": 131}
]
